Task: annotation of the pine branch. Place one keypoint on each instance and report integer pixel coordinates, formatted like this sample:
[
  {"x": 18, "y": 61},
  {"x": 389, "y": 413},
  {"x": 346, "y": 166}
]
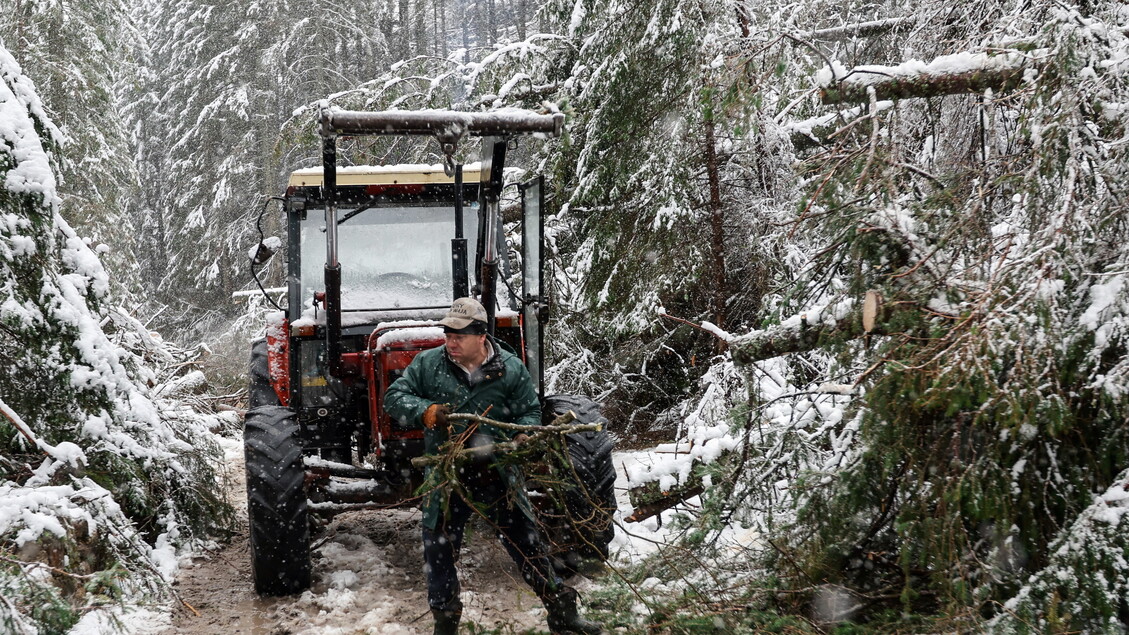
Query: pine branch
[{"x": 538, "y": 437}]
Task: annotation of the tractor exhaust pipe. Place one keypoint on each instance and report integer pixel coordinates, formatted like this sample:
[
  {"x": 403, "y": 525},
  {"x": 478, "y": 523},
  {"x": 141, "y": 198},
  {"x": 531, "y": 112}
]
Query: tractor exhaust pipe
[{"x": 332, "y": 266}]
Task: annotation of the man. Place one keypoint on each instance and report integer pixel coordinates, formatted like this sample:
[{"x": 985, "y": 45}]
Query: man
[{"x": 473, "y": 373}]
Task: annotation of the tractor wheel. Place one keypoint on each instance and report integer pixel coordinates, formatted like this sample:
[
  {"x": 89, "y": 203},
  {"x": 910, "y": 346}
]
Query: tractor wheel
[
  {"x": 276, "y": 502},
  {"x": 586, "y": 529},
  {"x": 590, "y": 506},
  {"x": 261, "y": 393}
]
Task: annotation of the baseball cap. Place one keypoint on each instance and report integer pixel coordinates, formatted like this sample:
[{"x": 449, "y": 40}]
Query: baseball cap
[{"x": 465, "y": 313}]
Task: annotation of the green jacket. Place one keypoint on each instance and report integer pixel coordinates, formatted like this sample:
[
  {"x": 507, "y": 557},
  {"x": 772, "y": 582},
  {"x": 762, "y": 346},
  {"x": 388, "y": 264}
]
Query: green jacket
[{"x": 506, "y": 390}]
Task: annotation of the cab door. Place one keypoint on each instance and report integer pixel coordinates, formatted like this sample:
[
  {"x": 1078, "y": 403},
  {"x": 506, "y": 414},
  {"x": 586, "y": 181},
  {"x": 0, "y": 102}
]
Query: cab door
[{"x": 533, "y": 301}]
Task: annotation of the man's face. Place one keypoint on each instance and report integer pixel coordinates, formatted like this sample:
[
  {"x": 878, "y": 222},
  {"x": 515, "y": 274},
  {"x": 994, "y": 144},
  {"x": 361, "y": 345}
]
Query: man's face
[{"x": 465, "y": 348}]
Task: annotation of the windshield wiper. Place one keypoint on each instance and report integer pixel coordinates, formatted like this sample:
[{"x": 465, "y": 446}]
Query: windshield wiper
[{"x": 353, "y": 213}]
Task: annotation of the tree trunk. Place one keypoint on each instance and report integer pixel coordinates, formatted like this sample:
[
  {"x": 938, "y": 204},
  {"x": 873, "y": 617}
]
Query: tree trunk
[
  {"x": 781, "y": 340},
  {"x": 869, "y": 317},
  {"x": 999, "y": 80},
  {"x": 491, "y": 22},
  {"x": 404, "y": 17},
  {"x": 464, "y": 20},
  {"x": 522, "y": 11},
  {"x": 717, "y": 229}
]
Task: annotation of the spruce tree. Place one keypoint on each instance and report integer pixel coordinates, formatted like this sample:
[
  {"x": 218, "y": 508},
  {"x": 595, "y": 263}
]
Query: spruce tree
[
  {"x": 82, "y": 53},
  {"x": 98, "y": 481}
]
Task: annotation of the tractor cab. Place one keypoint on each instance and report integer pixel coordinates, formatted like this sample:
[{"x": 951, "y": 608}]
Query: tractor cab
[
  {"x": 404, "y": 256},
  {"x": 395, "y": 227}
]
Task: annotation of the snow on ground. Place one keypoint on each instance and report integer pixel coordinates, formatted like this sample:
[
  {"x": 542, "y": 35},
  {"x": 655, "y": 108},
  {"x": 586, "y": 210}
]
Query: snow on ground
[
  {"x": 368, "y": 574},
  {"x": 368, "y": 565},
  {"x": 138, "y": 621}
]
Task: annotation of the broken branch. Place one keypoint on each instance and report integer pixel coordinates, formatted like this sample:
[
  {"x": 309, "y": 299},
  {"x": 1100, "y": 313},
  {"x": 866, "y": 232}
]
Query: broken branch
[
  {"x": 649, "y": 500},
  {"x": 798, "y": 336},
  {"x": 537, "y": 435}
]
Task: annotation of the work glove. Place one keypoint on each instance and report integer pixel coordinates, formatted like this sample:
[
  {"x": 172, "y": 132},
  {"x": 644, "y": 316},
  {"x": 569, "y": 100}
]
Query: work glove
[
  {"x": 436, "y": 415},
  {"x": 521, "y": 439}
]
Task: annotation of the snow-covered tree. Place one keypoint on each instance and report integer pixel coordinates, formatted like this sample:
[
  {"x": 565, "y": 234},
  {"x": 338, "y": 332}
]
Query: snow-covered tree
[
  {"x": 964, "y": 456},
  {"x": 991, "y": 226},
  {"x": 98, "y": 480},
  {"x": 668, "y": 184},
  {"x": 81, "y": 53}
]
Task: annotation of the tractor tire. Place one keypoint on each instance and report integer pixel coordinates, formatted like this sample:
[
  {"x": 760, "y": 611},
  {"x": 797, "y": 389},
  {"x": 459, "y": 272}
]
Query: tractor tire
[
  {"x": 277, "y": 511},
  {"x": 260, "y": 391},
  {"x": 587, "y": 529}
]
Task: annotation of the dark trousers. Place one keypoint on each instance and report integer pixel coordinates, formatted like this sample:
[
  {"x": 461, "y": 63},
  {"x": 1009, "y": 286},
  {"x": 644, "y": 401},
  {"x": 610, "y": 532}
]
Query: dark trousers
[{"x": 519, "y": 535}]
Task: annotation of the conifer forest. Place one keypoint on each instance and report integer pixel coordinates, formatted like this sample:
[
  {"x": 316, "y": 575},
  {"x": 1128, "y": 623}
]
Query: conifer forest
[{"x": 849, "y": 280}]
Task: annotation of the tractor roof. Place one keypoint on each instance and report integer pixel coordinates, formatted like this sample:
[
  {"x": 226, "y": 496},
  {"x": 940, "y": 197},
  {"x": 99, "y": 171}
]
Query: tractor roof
[{"x": 408, "y": 174}]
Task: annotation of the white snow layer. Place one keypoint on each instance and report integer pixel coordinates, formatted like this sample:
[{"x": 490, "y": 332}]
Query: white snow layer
[
  {"x": 957, "y": 63},
  {"x": 32, "y": 172}
]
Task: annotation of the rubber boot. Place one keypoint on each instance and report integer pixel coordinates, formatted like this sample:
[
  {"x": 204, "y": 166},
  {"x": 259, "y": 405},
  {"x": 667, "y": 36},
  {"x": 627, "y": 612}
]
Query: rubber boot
[
  {"x": 447, "y": 621},
  {"x": 564, "y": 618}
]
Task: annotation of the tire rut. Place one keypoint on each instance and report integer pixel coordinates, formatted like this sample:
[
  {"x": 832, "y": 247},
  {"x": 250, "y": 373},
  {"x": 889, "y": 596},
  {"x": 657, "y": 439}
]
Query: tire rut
[{"x": 368, "y": 578}]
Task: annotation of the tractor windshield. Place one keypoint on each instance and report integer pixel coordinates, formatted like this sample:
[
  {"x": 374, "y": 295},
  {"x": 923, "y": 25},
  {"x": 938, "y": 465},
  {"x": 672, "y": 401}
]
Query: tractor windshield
[{"x": 391, "y": 257}]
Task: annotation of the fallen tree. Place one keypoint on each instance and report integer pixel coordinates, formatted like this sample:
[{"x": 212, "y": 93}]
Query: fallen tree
[
  {"x": 961, "y": 73},
  {"x": 813, "y": 329}
]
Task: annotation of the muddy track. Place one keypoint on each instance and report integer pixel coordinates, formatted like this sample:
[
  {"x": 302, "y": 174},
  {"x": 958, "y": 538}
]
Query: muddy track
[{"x": 368, "y": 578}]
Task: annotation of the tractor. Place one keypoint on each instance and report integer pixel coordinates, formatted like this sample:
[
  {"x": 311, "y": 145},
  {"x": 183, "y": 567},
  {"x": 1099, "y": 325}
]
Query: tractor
[{"x": 375, "y": 255}]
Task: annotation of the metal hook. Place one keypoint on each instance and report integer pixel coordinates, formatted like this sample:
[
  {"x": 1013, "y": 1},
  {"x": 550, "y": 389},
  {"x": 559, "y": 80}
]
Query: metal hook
[{"x": 448, "y": 144}]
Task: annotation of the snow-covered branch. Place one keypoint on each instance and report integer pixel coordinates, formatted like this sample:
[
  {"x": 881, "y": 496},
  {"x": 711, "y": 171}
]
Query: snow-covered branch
[
  {"x": 799, "y": 333},
  {"x": 946, "y": 75},
  {"x": 860, "y": 29}
]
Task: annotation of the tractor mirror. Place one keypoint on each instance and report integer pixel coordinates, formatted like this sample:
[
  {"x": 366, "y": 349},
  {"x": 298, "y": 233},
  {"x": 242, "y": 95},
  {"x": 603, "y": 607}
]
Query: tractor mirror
[{"x": 263, "y": 251}]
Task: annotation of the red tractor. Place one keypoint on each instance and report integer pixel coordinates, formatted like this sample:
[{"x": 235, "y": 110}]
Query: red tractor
[{"x": 374, "y": 257}]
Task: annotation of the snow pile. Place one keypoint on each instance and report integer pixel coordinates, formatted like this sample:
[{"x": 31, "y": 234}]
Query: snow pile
[
  {"x": 707, "y": 435},
  {"x": 99, "y": 480},
  {"x": 733, "y": 454}
]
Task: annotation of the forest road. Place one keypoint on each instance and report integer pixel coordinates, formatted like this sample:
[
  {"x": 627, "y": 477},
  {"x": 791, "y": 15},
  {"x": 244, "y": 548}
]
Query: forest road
[{"x": 368, "y": 578}]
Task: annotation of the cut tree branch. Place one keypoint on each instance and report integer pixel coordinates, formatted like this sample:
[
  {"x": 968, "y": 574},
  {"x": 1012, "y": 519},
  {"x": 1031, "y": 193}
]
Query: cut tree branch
[
  {"x": 798, "y": 336},
  {"x": 999, "y": 80},
  {"x": 537, "y": 434},
  {"x": 793, "y": 338},
  {"x": 649, "y": 500}
]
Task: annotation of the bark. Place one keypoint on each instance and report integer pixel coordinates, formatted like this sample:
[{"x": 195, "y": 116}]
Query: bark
[
  {"x": 998, "y": 80},
  {"x": 648, "y": 500},
  {"x": 717, "y": 229}
]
